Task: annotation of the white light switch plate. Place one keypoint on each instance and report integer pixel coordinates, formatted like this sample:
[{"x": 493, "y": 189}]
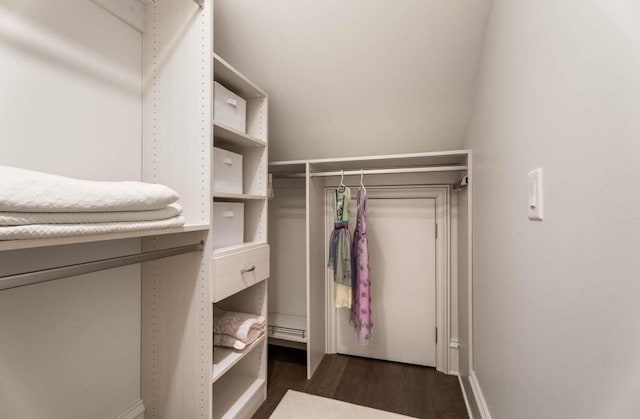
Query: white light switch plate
[{"x": 536, "y": 195}]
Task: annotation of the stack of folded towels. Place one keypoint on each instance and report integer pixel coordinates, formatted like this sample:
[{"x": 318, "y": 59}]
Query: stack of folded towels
[
  {"x": 39, "y": 205},
  {"x": 236, "y": 330}
]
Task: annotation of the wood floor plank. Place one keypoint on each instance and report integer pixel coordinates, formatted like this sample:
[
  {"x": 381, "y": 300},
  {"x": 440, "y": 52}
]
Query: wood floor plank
[
  {"x": 417, "y": 387},
  {"x": 327, "y": 377},
  {"x": 446, "y": 396},
  {"x": 386, "y": 385},
  {"x": 354, "y": 382}
]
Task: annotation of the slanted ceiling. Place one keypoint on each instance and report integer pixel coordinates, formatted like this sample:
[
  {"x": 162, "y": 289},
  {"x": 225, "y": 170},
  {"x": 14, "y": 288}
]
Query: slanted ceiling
[{"x": 357, "y": 77}]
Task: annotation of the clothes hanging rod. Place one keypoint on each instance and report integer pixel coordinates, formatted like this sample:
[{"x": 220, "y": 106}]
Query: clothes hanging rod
[
  {"x": 382, "y": 198},
  {"x": 51, "y": 274},
  {"x": 391, "y": 171}
]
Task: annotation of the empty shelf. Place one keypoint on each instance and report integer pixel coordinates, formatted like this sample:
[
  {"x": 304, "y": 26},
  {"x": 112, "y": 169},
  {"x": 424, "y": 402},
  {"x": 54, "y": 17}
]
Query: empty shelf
[
  {"x": 288, "y": 327},
  {"x": 227, "y": 136},
  {"x": 234, "y": 393},
  {"x": 225, "y": 358},
  {"x": 231, "y": 78}
]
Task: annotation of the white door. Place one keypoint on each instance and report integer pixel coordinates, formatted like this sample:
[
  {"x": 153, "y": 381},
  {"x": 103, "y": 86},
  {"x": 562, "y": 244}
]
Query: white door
[{"x": 402, "y": 249}]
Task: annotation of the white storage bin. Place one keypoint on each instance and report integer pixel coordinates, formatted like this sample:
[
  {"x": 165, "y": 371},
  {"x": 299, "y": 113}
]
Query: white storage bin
[
  {"x": 228, "y": 224},
  {"x": 227, "y": 171},
  {"x": 229, "y": 108}
]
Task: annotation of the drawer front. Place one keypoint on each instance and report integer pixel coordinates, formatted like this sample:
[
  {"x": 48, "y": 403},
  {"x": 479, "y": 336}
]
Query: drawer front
[{"x": 234, "y": 272}]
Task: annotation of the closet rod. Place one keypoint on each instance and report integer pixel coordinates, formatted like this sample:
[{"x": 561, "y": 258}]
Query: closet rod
[
  {"x": 392, "y": 171},
  {"x": 44, "y": 275}
]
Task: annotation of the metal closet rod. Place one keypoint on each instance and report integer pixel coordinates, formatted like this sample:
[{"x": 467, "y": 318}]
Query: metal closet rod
[
  {"x": 50, "y": 274},
  {"x": 391, "y": 171},
  {"x": 378, "y": 171}
]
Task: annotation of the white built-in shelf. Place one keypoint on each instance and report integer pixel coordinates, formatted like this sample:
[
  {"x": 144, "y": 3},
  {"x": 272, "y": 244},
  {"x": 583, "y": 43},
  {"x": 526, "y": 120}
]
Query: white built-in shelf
[
  {"x": 233, "y": 392},
  {"x": 287, "y": 327},
  {"x": 451, "y": 159},
  {"x": 225, "y": 358},
  {"x": 227, "y": 136},
  {"x": 238, "y": 196},
  {"x": 33, "y": 243},
  {"x": 232, "y": 79}
]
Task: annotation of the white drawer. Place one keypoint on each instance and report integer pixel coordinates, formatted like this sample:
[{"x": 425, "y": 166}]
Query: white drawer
[
  {"x": 229, "y": 109},
  {"x": 235, "y": 271}
]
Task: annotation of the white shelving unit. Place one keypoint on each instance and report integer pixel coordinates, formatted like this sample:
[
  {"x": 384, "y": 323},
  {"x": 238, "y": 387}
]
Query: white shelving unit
[
  {"x": 298, "y": 287},
  {"x": 240, "y": 271},
  {"x": 162, "y": 109}
]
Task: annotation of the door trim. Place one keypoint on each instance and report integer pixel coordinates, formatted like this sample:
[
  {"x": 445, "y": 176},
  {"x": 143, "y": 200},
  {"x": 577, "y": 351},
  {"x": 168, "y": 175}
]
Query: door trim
[{"x": 442, "y": 197}]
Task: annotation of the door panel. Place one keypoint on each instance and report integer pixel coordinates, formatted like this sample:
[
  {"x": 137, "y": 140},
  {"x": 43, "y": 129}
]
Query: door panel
[{"x": 402, "y": 250}]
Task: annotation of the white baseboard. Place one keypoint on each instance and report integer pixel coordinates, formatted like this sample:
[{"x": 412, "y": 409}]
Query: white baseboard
[
  {"x": 134, "y": 411},
  {"x": 465, "y": 397},
  {"x": 478, "y": 396}
]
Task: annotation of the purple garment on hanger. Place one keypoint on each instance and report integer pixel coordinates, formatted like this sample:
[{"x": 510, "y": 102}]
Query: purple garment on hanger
[{"x": 361, "y": 315}]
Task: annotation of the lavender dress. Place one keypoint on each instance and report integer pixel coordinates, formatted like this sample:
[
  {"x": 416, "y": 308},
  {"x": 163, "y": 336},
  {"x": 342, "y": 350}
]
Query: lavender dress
[{"x": 361, "y": 316}]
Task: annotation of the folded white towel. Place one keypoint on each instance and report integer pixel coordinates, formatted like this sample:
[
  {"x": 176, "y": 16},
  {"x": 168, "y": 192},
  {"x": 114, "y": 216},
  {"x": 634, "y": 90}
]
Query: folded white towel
[
  {"x": 28, "y": 191},
  {"x": 237, "y": 325},
  {"x": 237, "y": 344},
  {"x": 27, "y": 218},
  {"x": 46, "y": 231}
]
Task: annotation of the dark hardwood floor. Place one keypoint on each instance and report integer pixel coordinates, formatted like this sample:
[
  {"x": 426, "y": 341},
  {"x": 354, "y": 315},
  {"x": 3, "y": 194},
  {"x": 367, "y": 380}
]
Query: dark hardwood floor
[{"x": 410, "y": 390}]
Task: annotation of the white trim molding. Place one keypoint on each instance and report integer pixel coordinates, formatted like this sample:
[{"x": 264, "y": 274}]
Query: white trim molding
[
  {"x": 465, "y": 397},
  {"x": 135, "y": 411},
  {"x": 479, "y": 396}
]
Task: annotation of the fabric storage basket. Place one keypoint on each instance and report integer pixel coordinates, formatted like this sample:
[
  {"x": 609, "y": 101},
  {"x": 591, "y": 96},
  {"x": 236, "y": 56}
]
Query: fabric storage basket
[
  {"x": 229, "y": 108},
  {"x": 227, "y": 171},
  {"x": 228, "y": 224}
]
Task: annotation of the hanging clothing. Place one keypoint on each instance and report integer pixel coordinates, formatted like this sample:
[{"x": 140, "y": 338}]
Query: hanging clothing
[
  {"x": 340, "y": 249},
  {"x": 361, "y": 315}
]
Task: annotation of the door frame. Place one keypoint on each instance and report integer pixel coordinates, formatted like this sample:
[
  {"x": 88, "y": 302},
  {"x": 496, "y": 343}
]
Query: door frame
[{"x": 442, "y": 196}]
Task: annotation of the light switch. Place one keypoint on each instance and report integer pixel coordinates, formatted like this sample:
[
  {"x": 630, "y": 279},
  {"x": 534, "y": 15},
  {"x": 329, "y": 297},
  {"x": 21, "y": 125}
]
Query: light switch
[{"x": 535, "y": 195}]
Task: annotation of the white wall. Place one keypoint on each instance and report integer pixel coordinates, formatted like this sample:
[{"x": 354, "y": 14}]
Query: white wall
[
  {"x": 556, "y": 303},
  {"x": 357, "y": 77},
  {"x": 70, "y": 83}
]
